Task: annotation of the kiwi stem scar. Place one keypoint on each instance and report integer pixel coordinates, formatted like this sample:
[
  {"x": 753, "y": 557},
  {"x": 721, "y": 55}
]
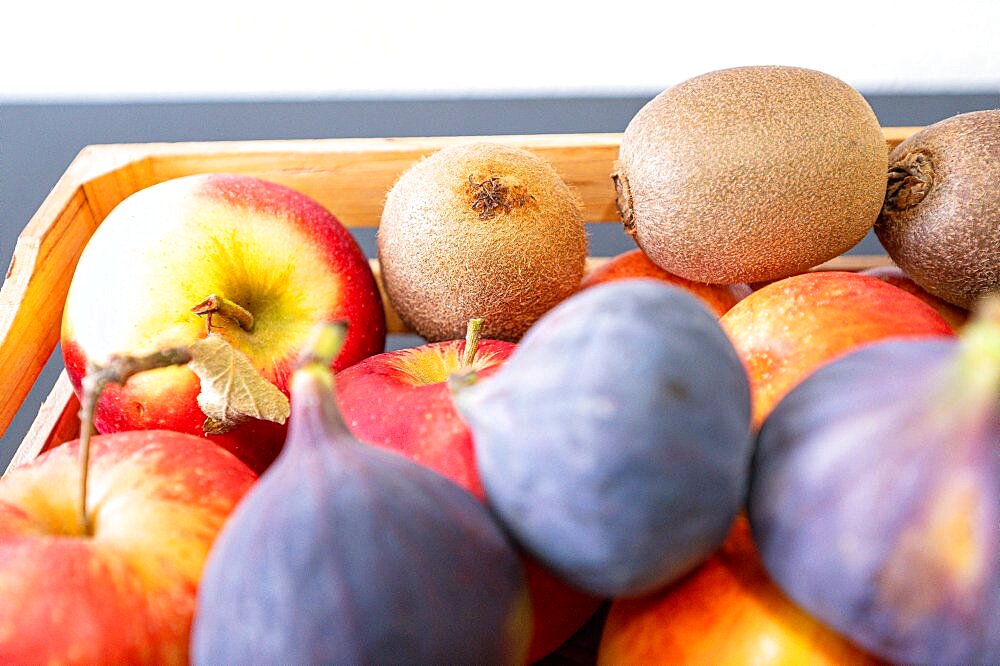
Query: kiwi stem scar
[
  {"x": 623, "y": 198},
  {"x": 117, "y": 370},
  {"x": 216, "y": 304},
  {"x": 910, "y": 179},
  {"x": 492, "y": 195}
]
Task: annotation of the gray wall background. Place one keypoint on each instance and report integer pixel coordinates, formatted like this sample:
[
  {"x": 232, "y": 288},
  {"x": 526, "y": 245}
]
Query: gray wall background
[{"x": 38, "y": 141}]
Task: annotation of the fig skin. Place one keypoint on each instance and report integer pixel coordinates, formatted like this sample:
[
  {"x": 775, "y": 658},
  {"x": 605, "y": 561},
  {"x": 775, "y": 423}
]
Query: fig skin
[
  {"x": 941, "y": 218},
  {"x": 618, "y": 471},
  {"x": 875, "y": 500},
  {"x": 348, "y": 553}
]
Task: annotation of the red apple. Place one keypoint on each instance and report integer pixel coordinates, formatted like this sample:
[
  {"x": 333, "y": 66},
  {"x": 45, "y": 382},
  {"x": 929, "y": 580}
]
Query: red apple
[
  {"x": 725, "y": 612},
  {"x": 787, "y": 329},
  {"x": 271, "y": 250},
  {"x": 125, "y": 592},
  {"x": 401, "y": 401},
  {"x": 896, "y": 276},
  {"x": 635, "y": 264}
]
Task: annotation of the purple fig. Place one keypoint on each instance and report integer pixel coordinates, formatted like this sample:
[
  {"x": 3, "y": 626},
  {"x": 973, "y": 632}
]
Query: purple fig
[
  {"x": 875, "y": 496},
  {"x": 615, "y": 442},
  {"x": 347, "y": 553}
]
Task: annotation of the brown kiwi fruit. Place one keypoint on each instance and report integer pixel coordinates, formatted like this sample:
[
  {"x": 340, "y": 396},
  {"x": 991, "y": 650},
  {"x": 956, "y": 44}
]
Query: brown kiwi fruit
[
  {"x": 480, "y": 230},
  {"x": 751, "y": 174},
  {"x": 941, "y": 218}
]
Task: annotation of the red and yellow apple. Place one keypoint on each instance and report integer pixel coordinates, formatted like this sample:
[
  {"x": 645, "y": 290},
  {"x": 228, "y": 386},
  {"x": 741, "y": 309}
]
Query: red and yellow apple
[
  {"x": 125, "y": 592},
  {"x": 401, "y": 401},
  {"x": 635, "y": 264},
  {"x": 276, "y": 253},
  {"x": 789, "y": 328},
  {"x": 896, "y": 276},
  {"x": 725, "y": 612}
]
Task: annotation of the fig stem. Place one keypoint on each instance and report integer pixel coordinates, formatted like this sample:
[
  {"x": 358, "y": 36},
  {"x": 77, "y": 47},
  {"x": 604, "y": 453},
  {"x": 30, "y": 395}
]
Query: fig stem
[
  {"x": 325, "y": 343},
  {"x": 472, "y": 335},
  {"x": 980, "y": 353},
  {"x": 462, "y": 379},
  {"x": 215, "y": 304},
  {"x": 117, "y": 370}
]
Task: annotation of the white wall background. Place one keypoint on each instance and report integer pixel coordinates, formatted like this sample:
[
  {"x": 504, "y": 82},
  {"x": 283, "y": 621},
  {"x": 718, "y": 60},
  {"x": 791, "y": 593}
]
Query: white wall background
[{"x": 198, "y": 49}]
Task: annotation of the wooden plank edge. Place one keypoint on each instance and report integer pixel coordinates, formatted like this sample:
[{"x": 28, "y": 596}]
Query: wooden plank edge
[
  {"x": 301, "y": 162},
  {"x": 382, "y": 145},
  {"x": 29, "y": 333},
  {"x": 91, "y": 162},
  {"x": 31, "y": 259},
  {"x": 56, "y": 419},
  {"x": 896, "y": 135},
  {"x": 854, "y": 263},
  {"x": 375, "y": 145}
]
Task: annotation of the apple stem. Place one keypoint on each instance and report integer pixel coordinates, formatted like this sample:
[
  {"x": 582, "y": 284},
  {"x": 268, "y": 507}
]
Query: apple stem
[
  {"x": 472, "y": 335},
  {"x": 215, "y": 304},
  {"x": 466, "y": 374},
  {"x": 117, "y": 370}
]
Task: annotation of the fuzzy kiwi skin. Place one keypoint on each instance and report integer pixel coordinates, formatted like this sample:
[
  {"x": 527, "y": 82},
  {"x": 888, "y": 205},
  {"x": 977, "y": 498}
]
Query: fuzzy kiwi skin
[
  {"x": 941, "y": 218},
  {"x": 751, "y": 174},
  {"x": 445, "y": 262}
]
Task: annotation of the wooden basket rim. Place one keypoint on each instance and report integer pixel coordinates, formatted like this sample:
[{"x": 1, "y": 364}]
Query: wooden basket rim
[{"x": 29, "y": 306}]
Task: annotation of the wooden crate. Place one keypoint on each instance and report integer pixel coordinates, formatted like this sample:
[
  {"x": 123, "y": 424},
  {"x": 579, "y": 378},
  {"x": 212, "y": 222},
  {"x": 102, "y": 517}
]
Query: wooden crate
[{"x": 350, "y": 177}]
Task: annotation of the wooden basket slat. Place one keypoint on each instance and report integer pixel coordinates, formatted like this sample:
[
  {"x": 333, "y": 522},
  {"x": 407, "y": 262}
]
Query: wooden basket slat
[
  {"x": 348, "y": 176},
  {"x": 58, "y": 421},
  {"x": 105, "y": 191},
  {"x": 351, "y": 177},
  {"x": 32, "y": 300}
]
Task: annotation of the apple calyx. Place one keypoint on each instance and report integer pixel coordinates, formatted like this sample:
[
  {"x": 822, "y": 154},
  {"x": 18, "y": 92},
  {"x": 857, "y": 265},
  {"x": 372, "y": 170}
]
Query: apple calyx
[
  {"x": 215, "y": 304},
  {"x": 116, "y": 370}
]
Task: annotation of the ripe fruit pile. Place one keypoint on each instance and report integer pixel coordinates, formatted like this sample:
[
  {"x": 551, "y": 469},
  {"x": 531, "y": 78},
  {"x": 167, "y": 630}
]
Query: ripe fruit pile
[{"x": 808, "y": 470}]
